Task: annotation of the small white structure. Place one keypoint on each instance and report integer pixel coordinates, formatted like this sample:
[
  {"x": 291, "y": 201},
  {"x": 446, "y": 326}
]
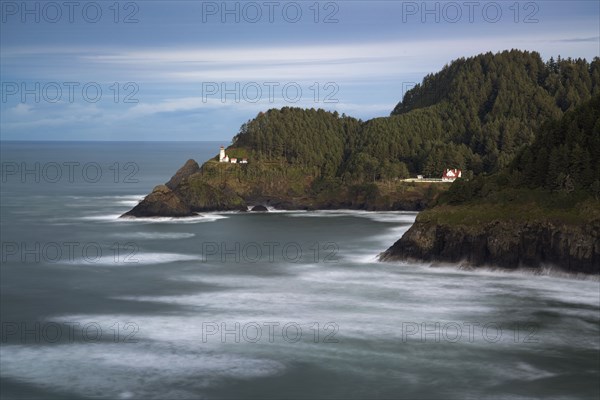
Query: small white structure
[
  {"x": 419, "y": 176},
  {"x": 225, "y": 158},
  {"x": 450, "y": 175}
]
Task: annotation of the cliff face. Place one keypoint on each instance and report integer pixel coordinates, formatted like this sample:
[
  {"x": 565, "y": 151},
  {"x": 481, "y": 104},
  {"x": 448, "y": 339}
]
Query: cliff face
[
  {"x": 507, "y": 244},
  {"x": 184, "y": 195},
  {"x": 161, "y": 202}
]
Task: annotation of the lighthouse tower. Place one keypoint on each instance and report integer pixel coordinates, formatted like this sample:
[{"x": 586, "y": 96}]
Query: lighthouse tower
[{"x": 222, "y": 154}]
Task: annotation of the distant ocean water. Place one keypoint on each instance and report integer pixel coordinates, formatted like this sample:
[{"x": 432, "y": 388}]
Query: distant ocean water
[{"x": 278, "y": 305}]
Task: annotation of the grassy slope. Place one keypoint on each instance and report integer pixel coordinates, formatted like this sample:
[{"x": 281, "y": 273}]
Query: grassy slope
[{"x": 518, "y": 205}]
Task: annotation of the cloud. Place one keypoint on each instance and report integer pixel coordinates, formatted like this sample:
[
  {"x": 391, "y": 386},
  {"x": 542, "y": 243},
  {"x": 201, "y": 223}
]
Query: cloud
[
  {"x": 345, "y": 62},
  {"x": 595, "y": 39},
  {"x": 370, "y": 76},
  {"x": 24, "y": 116},
  {"x": 194, "y": 104},
  {"x": 21, "y": 109}
]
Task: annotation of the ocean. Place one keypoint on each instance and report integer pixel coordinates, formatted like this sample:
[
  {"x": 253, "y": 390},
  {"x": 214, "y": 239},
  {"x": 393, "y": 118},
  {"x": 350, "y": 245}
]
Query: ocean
[{"x": 284, "y": 304}]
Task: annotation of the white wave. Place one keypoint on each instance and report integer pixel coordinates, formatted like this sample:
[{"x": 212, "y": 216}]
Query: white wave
[
  {"x": 360, "y": 258},
  {"x": 129, "y": 370},
  {"x": 130, "y": 203},
  {"x": 392, "y": 217},
  {"x": 238, "y": 281},
  {"x": 128, "y": 257},
  {"x": 184, "y": 333},
  {"x": 280, "y": 211},
  {"x": 155, "y": 235},
  {"x": 331, "y": 291},
  {"x": 545, "y": 276},
  {"x": 119, "y": 200},
  {"x": 358, "y": 309},
  {"x": 270, "y": 209},
  {"x": 208, "y": 217},
  {"x": 103, "y": 217},
  {"x": 115, "y": 197}
]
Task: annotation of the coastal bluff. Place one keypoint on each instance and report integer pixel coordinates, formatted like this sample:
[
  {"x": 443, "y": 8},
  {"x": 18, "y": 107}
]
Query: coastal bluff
[
  {"x": 543, "y": 209},
  {"x": 504, "y": 244},
  {"x": 184, "y": 195}
]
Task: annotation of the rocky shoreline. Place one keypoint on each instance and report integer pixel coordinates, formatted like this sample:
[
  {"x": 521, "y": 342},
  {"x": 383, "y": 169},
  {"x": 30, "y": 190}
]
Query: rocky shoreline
[
  {"x": 506, "y": 244},
  {"x": 184, "y": 195}
]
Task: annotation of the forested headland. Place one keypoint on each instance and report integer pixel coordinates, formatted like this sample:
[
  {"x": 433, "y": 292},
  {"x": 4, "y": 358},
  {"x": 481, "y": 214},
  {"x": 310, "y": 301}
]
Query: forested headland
[{"x": 524, "y": 131}]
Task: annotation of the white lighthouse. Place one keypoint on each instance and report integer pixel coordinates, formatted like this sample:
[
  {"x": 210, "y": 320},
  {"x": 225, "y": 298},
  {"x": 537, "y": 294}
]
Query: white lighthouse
[{"x": 222, "y": 154}]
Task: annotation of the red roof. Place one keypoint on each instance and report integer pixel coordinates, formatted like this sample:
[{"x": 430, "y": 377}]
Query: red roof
[{"x": 452, "y": 173}]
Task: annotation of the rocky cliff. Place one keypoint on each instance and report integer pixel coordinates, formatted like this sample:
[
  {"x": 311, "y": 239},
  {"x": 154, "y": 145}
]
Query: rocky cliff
[
  {"x": 186, "y": 194},
  {"x": 543, "y": 208},
  {"x": 507, "y": 244}
]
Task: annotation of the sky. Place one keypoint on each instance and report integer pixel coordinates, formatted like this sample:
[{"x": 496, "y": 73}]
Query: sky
[{"x": 196, "y": 70}]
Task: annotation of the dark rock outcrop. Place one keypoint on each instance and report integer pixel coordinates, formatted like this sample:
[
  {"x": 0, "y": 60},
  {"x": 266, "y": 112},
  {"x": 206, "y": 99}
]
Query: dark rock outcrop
[
  {"x": 161, "y": 202},
  {"x": 508, "y": 244},
  {"x": 188, "y": 169},
  {"x": 186, "y": 194}
]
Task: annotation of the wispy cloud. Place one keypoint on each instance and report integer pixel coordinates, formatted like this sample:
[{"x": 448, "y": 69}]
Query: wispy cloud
[
  {"x": 170, "y": 63},
  {"x": 592, "y": 39},
  {"x": 339, "y": 62}
]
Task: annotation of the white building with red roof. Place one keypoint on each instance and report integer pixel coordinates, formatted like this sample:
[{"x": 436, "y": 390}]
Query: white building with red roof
[{"x": 450, "y": 175}]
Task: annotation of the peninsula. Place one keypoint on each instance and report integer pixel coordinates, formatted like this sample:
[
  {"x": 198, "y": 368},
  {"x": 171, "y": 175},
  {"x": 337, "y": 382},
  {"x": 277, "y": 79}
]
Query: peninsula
[{"x": 483, "y": 119}]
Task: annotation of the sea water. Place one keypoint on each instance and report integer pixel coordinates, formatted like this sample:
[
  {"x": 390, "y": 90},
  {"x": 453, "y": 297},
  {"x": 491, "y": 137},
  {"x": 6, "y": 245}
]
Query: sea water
[{"x": 285, "y": 304}]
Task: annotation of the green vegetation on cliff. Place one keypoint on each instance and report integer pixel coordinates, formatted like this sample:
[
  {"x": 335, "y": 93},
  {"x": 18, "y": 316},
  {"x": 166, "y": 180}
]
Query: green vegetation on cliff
[
  {"x": 543, "y": 207},
  {"x": 489, "y": 106},
  {"x": 476, "y": 114},
  {"x": 559, "y": 170}
]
